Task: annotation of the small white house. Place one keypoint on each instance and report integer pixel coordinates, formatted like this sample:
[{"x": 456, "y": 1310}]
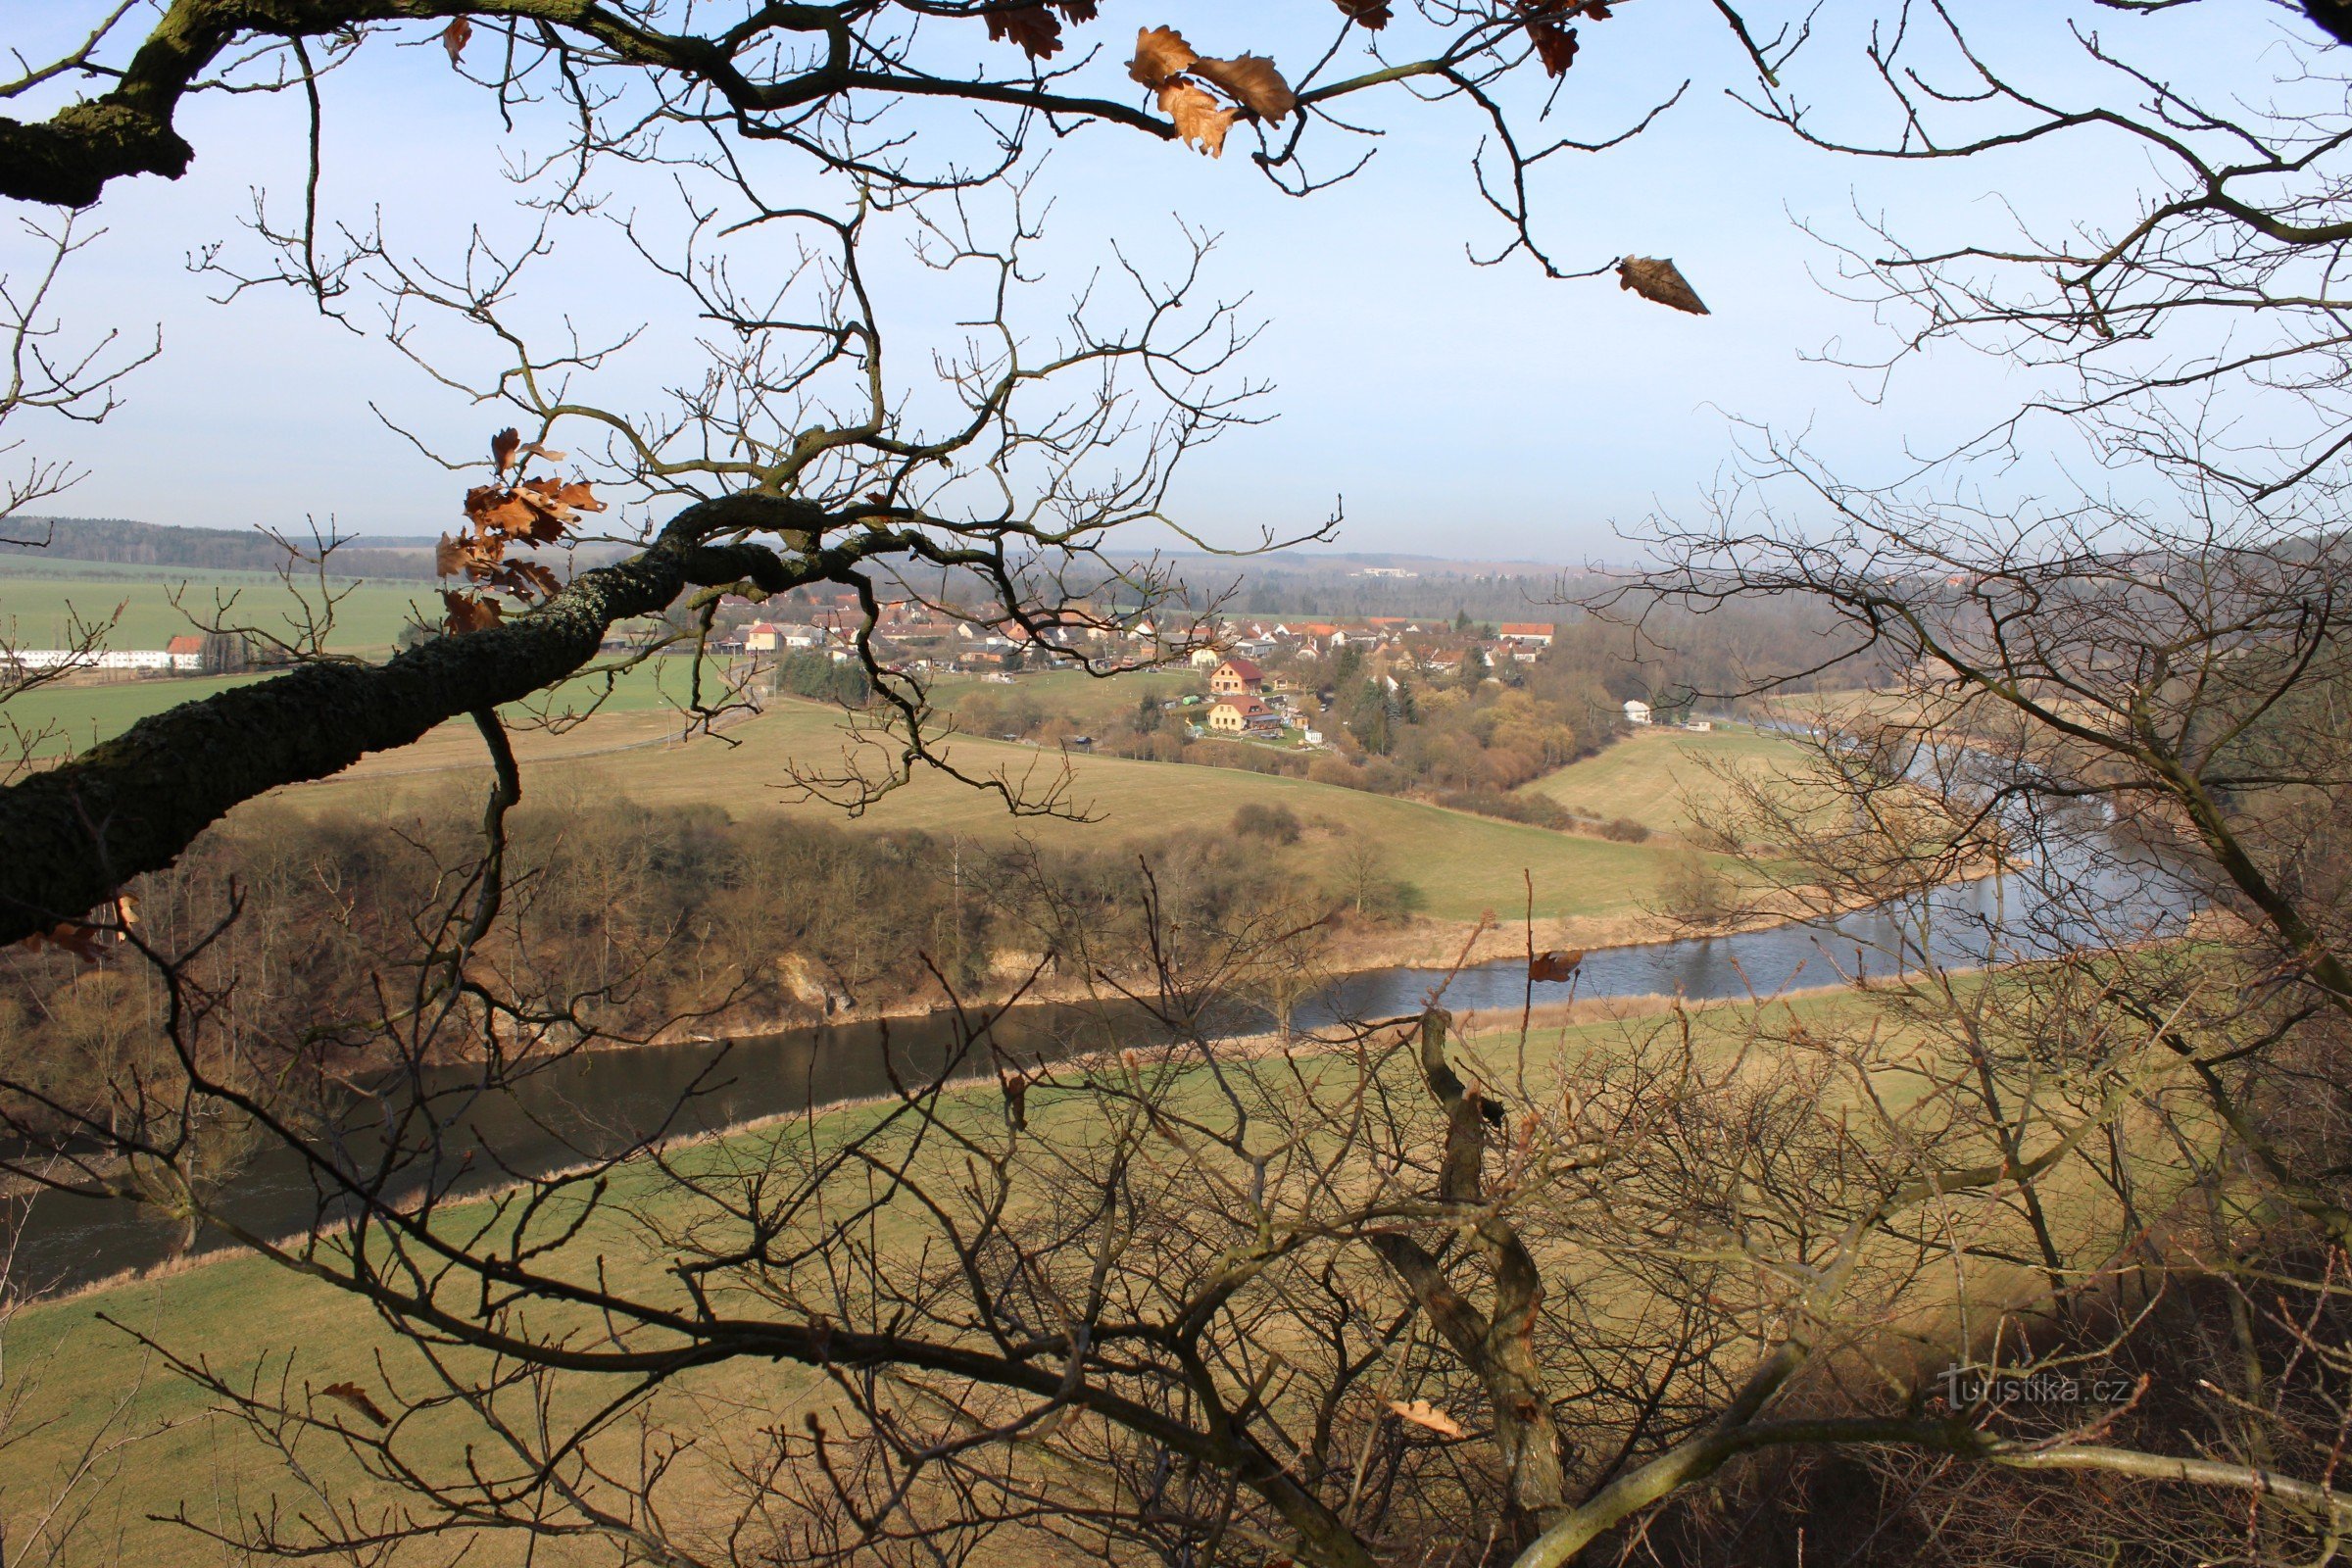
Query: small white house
[
  {"x": 1637, "y": 712},
  {"x": 1699, "y": 725}
]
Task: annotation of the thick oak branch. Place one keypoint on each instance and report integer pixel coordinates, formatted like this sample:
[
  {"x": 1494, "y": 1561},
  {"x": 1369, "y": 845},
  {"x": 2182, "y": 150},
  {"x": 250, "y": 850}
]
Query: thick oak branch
[{"x": 74, "y": 834}]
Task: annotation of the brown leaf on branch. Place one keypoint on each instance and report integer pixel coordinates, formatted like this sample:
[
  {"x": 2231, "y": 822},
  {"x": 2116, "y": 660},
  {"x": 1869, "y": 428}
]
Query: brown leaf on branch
[
  {"x": 527, "y": 580},
  {"x": 92, "y": 938},
  {"x": 1657, "y": 278},
  {"x": 1422, "y": 1413},
  {"x": 1556, "y": 45},
  {"x": 1161, "y": 56},
  {"x": 451, "y": 555},
  {"x": 1555, "y": 965},
  {"x": 557, "y": 501},
  {"x": 1253, "y": 81},
  {"x": 353, "y": 1394},
  {"x": 469, "y": 612},
  {"x": 78, "y": 938},
  {"x": 1370, "y": 14},
  {"x": 1198, "y": 117},
  {"x": 455, "y": 37},
  {"x": 1034, "y": 27},
  {"x": 503, "y": 446}
]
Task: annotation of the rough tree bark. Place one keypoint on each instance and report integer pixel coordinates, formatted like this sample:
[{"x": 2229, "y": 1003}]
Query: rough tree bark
[{"x": 76, "y": 832}]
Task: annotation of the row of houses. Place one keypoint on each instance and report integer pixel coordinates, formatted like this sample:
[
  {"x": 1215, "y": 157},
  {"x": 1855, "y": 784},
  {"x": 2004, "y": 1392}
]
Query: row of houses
[{"x": 1524, "y": 641}]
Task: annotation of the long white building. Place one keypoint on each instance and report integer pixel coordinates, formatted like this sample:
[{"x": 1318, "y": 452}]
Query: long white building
[{"x": 153, "y": 659}]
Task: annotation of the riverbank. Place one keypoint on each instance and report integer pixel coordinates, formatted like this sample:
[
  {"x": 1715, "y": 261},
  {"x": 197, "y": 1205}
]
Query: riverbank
[
  {"x": 1349, "y": 951},
  {"x": 1478, "y": 1032}
]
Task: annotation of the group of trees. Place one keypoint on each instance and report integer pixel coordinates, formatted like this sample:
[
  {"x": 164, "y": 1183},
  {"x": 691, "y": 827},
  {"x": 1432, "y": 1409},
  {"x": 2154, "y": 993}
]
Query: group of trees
[
  {"x": 647, "y": 920},
  {"x": 2027, "y": 1245}
]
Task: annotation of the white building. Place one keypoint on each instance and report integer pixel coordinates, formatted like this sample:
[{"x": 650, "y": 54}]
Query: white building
[
  {"x": 142, "y": 658},
  {"x": 1637, "y": 713}
]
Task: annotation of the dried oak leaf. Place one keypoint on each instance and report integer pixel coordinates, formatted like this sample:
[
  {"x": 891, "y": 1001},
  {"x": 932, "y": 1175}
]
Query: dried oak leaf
[
  {"x": 1422, "y": 1413},
  {"x": 527, "y": 580},
  {"x": 1198, "y": 117},
  {"x": 469, "y": 613},
  {"x": 353, "y": 1394},
  {"x": 1556, "y": 45},
  {"x": 1034, "y": 27},
  {"x": 1657, "y": 278},
  {"x": 78, "y": 938},
  {"x": 451, "y": 556},
  {"x": 1161, "y": 56},
  {"x": 1368, "y": 14},
  {"x": 455, "y": 37},
  {"x": 1555, "y": 965},
  {"x": 503, "y": 446},
  {"x": 558, "y": 502},
  {"x": 1251, "y": 80}
]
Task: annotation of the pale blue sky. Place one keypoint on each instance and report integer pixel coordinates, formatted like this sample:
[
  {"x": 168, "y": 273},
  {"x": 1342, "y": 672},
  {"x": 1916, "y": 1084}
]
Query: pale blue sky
[{"x": 1476, "y": 413}]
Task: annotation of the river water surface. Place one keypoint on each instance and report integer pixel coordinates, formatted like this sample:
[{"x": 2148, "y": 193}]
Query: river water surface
[{"x": 2086, "y": 890}]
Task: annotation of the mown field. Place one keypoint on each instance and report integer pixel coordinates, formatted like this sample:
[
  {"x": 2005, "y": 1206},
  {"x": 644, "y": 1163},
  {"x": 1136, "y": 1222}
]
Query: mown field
[
  {"x": 1458, "y": 864},
  {"x": 1668, "y": 780}
]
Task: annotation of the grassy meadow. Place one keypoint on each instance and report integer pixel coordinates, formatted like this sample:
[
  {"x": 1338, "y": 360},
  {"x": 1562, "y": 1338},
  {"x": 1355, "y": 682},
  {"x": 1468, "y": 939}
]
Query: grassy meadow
[
  {"x": 75, "y": 1362},
  {"x": 1073, "y": 693},
  {"x": 1668, "y": 780},
  {"x": 38, "y": 607},
  {"x": 1458, "y": 864},
  {"x": 73, "y": 716}
]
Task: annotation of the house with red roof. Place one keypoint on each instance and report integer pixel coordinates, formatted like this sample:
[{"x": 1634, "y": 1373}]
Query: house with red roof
[{"x": 1237, "y": 677}]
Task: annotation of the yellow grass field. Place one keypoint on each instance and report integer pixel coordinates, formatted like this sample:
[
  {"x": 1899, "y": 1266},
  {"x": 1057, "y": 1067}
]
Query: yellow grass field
[{"x": 1668, "y": 780}]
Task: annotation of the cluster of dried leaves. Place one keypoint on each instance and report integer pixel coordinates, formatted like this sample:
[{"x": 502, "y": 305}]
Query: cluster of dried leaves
[
  {"x": 1249, "y": 87},
  {"x": 1181, "y": 79},
  {"x": 94, "y": 937},
  {"x": 524, "y": 513},
  {"x": 1549, "y": 26}
]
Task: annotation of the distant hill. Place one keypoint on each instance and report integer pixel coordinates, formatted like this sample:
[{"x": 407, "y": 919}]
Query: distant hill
[{"x": 123, "y": 542}]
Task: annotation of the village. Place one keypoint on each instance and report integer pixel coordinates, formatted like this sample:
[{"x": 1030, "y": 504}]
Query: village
[{"x": 1261, "y": 679}]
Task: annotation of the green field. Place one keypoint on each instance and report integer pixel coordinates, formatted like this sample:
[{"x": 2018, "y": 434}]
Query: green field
[
  {"x": 1665, "y": 779},
  {"x": 1459, "y": 865},
  {"x": 248, "y": 1317},
  {"x": 76, "y": 715},
  {"x": 38, "y": 607},
  {"x": 1074, "y": 694}
]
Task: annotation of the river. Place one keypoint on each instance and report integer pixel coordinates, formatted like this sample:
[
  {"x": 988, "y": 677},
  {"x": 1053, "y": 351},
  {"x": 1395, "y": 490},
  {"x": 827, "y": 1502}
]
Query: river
[{"x": 2083, "y": 888}]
